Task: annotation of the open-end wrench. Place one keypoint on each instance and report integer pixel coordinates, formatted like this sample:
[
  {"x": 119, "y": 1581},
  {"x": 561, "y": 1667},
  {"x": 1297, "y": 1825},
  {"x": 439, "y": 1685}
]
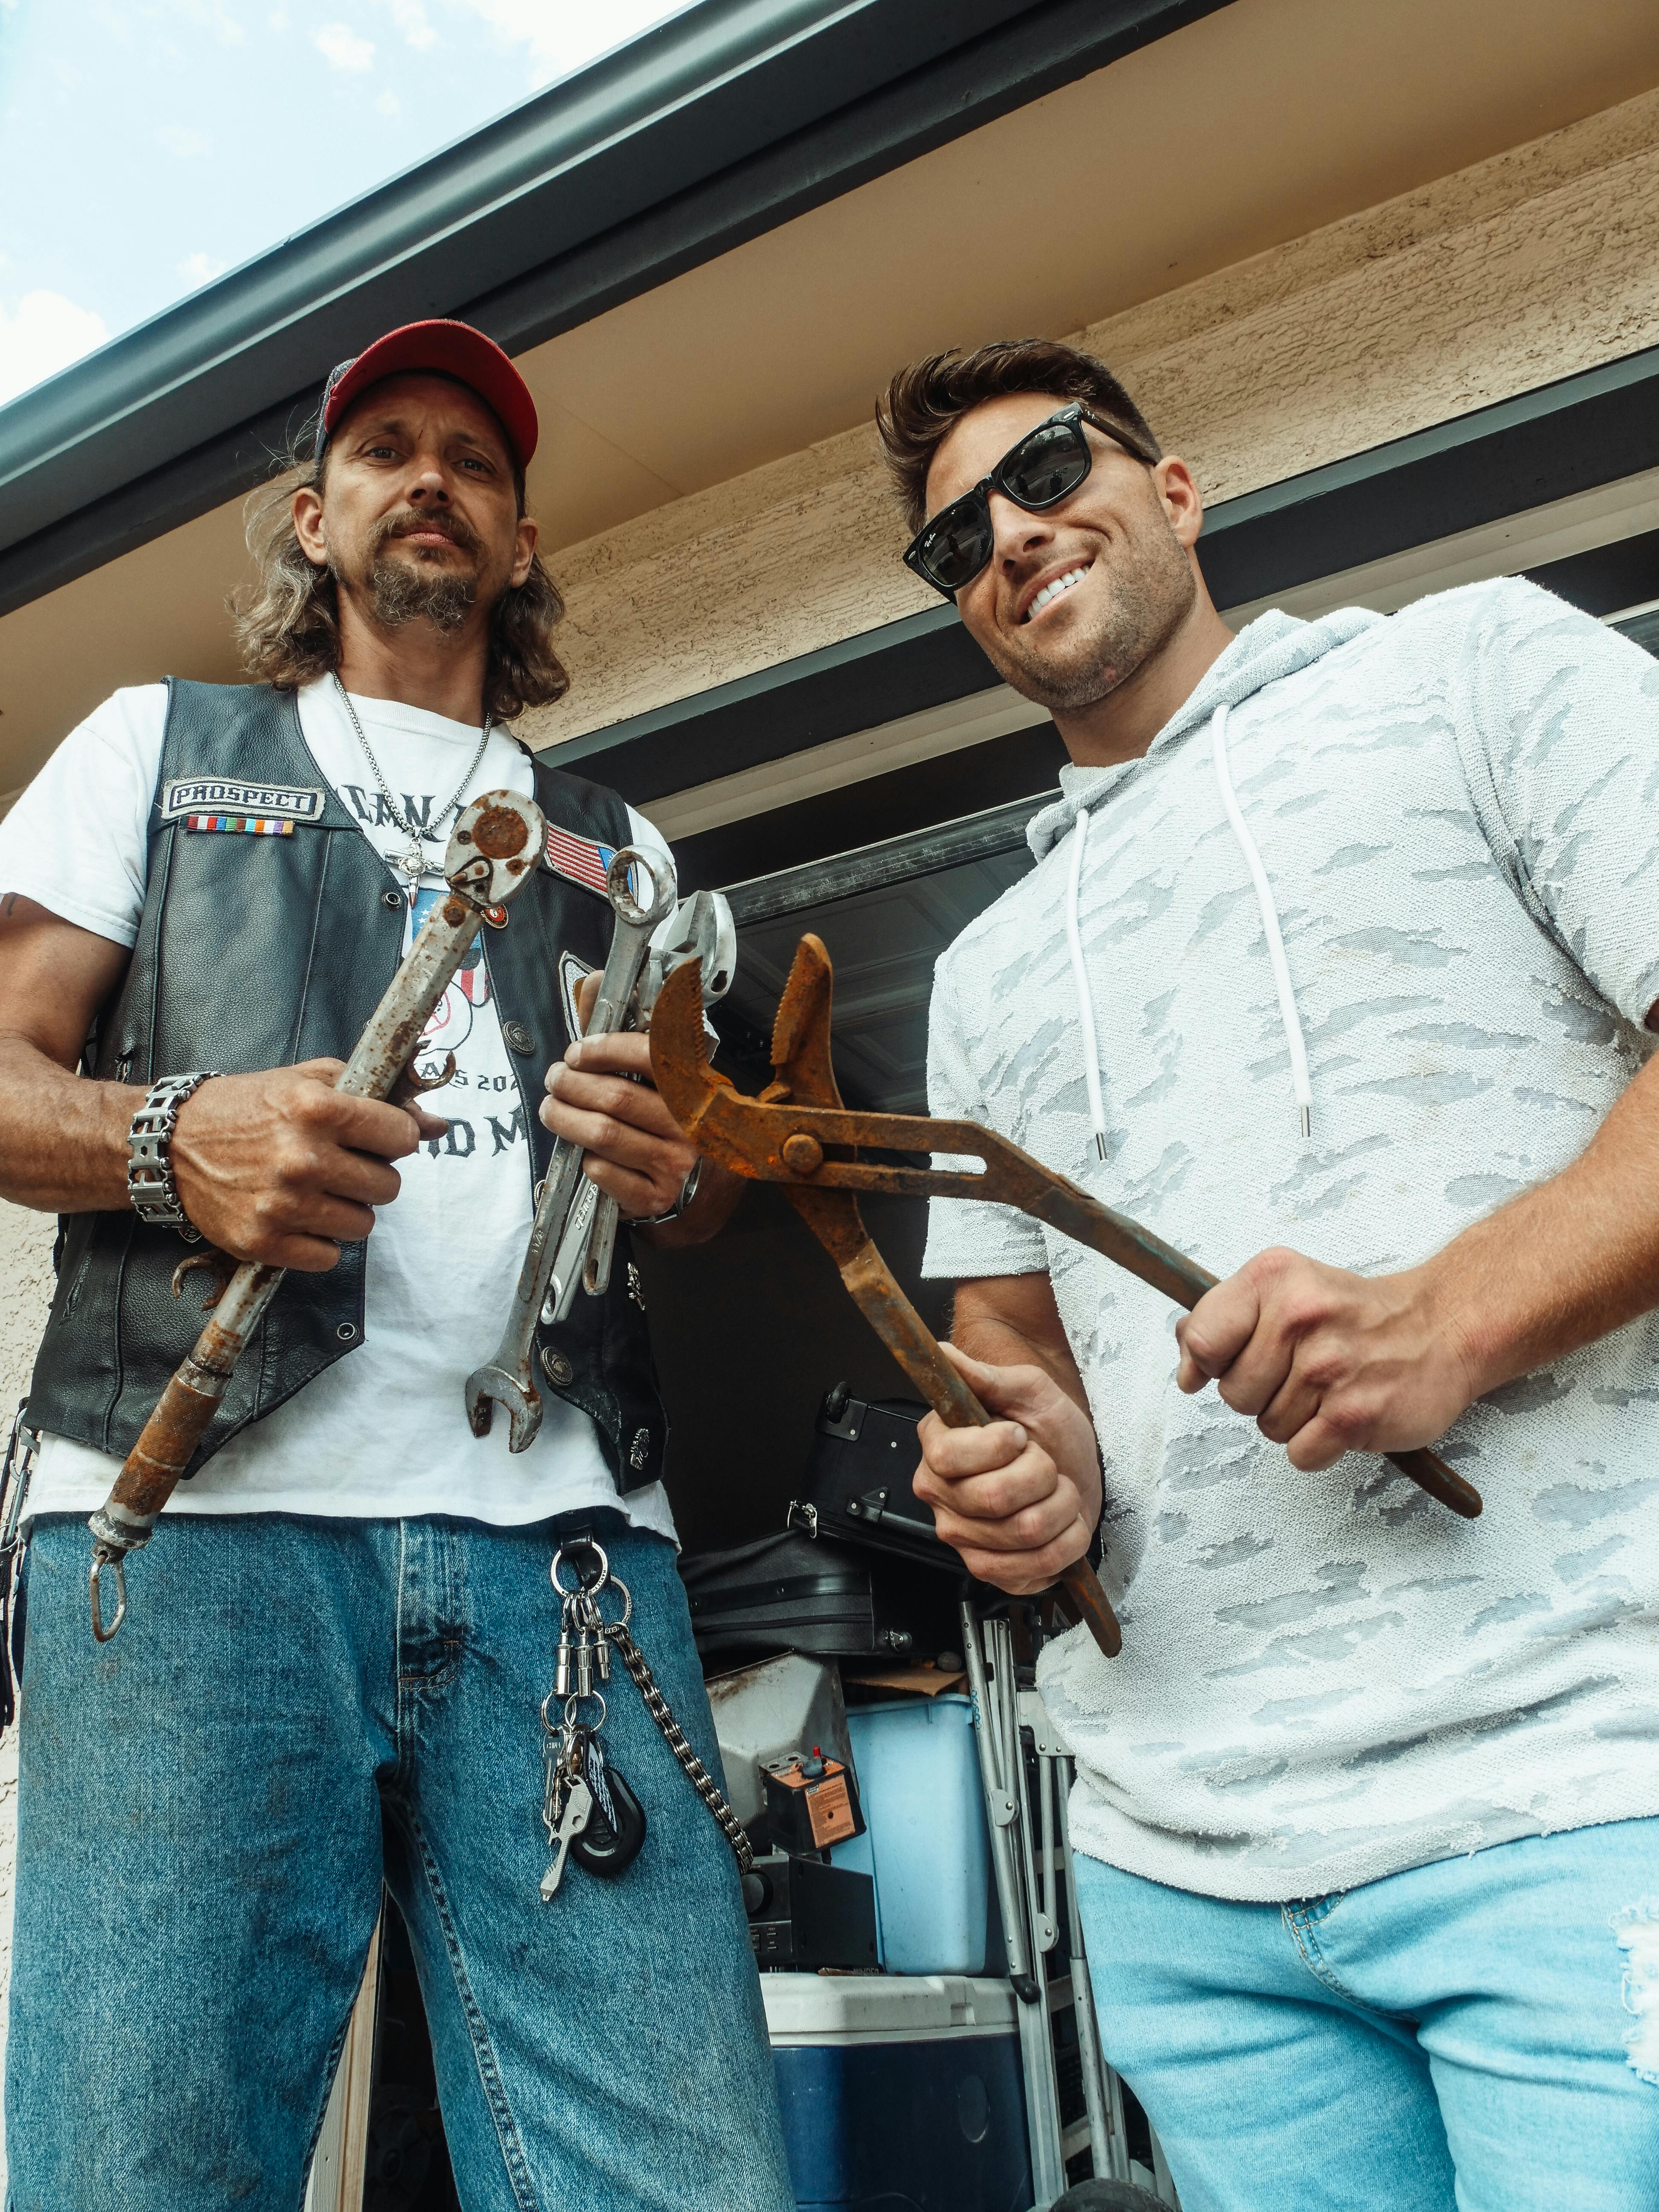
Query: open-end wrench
[
  {"x": 703, "y": 931},
  {"x": 492, "y": 853},
  {"x": 506, "y": 1380}
]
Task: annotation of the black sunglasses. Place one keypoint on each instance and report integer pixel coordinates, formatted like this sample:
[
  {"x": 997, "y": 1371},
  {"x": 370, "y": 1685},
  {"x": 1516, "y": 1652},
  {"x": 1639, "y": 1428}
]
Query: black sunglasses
[{"x": 1046, "y": 466}]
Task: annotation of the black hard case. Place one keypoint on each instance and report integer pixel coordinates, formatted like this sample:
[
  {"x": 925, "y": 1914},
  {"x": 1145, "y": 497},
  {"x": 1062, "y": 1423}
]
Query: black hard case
[{"x": 797, "y": 1593}]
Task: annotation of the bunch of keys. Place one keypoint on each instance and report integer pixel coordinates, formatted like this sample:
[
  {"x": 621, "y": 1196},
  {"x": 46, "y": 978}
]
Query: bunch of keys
[{"x": 588, "y": 1810}]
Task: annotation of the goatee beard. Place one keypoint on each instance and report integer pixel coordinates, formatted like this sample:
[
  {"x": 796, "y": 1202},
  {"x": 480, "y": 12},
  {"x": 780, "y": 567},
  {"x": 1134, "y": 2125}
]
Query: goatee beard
[{"x": 399, "y": 594}]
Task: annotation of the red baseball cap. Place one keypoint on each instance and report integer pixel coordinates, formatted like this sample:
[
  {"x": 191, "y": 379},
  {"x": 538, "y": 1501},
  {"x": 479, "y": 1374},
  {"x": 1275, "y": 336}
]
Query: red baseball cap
[{"x": 450, "y": 349}]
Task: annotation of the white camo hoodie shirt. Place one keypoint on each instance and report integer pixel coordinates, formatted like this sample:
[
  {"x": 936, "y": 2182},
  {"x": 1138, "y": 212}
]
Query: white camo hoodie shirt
[{"x": 1329, "y": 1678}]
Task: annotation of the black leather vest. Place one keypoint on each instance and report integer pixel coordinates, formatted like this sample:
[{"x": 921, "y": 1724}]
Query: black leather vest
[{"x": 259, "y": 951}]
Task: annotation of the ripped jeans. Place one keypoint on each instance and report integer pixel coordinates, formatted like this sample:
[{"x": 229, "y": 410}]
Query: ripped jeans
[{"x": 1482, "y": 2032}]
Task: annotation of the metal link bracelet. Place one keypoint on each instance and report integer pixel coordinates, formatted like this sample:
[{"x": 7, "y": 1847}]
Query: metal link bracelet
[{"x": 150, "y": 1186}]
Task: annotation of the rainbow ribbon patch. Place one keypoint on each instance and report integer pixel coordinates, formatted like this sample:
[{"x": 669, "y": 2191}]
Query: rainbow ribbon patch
[{"x": 253, "y": 825}]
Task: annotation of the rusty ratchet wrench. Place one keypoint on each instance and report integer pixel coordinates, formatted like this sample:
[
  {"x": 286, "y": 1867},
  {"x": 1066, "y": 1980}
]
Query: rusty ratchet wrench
[
  {"x": 492, "y": 853},
  {"x": 506, "y": 1380},
  {"x": 725, "y": 1127},
  {"x": 703, "y": 931}
]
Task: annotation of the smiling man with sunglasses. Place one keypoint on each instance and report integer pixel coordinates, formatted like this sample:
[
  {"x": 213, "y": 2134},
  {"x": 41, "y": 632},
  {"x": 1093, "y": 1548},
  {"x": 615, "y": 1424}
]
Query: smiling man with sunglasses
[{"x": 1337, "y": 968}]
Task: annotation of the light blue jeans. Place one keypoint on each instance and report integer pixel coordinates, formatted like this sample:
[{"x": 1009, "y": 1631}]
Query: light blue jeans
[
  {"x": 206, "y": 1808},
  {"x": 1456, "y": 2035}
]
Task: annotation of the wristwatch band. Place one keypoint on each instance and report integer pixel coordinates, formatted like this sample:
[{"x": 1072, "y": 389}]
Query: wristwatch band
[
  {"x": 150, "y": 1185},
  {"x": 688, "y": 1192}
]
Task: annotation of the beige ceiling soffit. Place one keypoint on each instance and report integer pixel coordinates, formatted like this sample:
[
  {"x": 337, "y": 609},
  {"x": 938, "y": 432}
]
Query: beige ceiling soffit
[
  {"x": 948, "y": 729},
  {"x": 1578, "y": 525},
  {"x": 1291, "y": 116}
]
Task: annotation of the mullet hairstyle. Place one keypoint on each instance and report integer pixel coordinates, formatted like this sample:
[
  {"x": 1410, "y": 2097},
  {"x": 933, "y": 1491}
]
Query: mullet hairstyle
[
  {"x": 287, "y": 622},
  {"x": 924, "y": 403}
]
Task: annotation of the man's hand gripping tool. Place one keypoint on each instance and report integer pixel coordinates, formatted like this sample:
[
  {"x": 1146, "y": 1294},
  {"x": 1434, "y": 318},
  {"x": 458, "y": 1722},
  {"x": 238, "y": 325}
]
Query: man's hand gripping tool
[
  {"x": 574, "y": 1226},
  {"x": 798, "y": 1134},
  {"x": 492, "y": 853},
  {"x": 703, "y": 929}
]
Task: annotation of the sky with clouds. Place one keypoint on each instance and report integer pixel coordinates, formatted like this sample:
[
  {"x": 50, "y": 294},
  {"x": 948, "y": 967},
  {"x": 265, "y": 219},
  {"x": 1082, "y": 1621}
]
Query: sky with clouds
[{"x": 147, "y": 146}]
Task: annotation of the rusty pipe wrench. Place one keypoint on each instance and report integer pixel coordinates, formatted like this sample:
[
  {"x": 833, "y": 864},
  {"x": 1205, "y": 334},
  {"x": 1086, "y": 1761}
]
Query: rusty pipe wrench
[
  {"x": 492, "y": 853},
  {"x": 703, "y": 929},
  {"x": 506, "y": 1380},
  {"x": 797, "y": 1142},
  {"x": 717, "y": 1119}
]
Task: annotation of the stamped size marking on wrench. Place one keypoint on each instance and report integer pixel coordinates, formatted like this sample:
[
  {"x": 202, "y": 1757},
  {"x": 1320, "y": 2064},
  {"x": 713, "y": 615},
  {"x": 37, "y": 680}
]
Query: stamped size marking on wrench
[{"x": 506, "y": 1380}]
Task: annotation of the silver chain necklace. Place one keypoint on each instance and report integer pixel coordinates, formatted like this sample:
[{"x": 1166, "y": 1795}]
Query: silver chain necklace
[{"x": 413, "y": 863}]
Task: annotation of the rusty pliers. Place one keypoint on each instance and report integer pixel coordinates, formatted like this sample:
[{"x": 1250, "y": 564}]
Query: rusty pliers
[{"x": 796, "y": 1132}]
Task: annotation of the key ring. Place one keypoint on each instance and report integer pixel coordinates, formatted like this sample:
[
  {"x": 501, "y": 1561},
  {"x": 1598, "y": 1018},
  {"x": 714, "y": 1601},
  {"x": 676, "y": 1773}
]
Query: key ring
[
  {"x": 581, "y": 1587},
  {"x": 616, "y": 1583},
  {"x": 570, "y": 1722}
]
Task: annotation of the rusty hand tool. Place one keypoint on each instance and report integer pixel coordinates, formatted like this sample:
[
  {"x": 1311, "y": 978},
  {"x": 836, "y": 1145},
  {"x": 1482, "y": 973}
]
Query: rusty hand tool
[
  {"x": 506, "y": 1380},
  {"x": 703, "y": 929},
  {"x": 746, "y": 1135},
  {"x": 492, "y": 852},
  {"x": 787, "y": 1135}
]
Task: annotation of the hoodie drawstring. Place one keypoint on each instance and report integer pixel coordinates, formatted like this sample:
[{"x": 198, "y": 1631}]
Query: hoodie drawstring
[
  {"x": 1288, "y": 1015},
  {"x": 1264, "y": 898}
]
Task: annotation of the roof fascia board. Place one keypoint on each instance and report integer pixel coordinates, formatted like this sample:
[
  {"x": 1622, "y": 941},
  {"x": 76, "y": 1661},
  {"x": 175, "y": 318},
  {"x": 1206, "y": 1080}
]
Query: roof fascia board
[
  {"x": 876, "y": 676},
  {"x": 1000, "y": 67},
  {"x": 721, "y": 124},
  {"x": 876, "y": 867},
  {"x": 1521, "y": 453},
  {"x": 615, "y": 137},
  {"x": 1540, "y": 446}
]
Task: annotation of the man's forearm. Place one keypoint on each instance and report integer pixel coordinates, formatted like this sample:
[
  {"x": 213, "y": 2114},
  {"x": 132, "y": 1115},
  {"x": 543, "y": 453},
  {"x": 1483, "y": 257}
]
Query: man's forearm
[
  {"x": 63, "y": 1139},
  {"x": 1563, "y": 1263},
  {"x": 1013, "y": 1321},
  {"x": 1328, "y": 1361}
]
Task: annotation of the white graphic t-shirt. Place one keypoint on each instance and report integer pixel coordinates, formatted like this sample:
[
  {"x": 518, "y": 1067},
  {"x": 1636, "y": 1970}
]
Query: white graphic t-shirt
[{"x": 382, "y": 1433}]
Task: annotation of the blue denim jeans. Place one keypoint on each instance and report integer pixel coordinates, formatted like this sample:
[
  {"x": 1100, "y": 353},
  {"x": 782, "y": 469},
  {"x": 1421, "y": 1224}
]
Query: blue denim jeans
[
  {"x": 1478, "y": 2033},
  {"x": 208, "y": 1805}
]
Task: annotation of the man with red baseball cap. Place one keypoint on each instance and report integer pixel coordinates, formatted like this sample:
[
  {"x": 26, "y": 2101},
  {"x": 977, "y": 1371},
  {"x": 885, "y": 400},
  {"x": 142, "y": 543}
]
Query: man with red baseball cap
[
  {"x": 436, "y": 348},
  {"x": 338, "y": 1668}
]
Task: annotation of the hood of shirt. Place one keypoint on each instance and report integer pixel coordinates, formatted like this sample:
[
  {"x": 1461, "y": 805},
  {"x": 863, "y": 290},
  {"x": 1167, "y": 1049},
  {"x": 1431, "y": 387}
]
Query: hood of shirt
[{"x": 1274, "y": 645}]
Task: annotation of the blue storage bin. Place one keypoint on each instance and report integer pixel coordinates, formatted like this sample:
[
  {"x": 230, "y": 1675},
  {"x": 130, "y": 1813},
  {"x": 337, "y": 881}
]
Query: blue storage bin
[
  {"x": 899, "y": 2095},
  {"x": 926, "y": 1842}
]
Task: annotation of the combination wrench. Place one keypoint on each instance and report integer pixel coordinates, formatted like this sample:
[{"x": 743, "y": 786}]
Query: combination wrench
[
  {"x": 507, "y": 1380},
  {"x": 704, "y": 932}
]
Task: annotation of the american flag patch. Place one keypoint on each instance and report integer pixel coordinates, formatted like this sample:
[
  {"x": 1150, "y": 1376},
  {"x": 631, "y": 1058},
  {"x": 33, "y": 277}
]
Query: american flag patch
[
  {"x": 582, "y": 860},
  {"x": 255, "y": 826}
]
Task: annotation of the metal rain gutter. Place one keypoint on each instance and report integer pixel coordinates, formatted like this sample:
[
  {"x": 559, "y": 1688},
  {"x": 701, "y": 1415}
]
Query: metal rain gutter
[{"x": 720, "y": 124}]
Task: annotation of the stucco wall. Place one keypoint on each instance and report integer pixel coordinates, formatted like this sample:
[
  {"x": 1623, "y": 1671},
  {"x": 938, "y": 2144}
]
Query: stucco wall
[{"x": 1530, "y": 266}]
